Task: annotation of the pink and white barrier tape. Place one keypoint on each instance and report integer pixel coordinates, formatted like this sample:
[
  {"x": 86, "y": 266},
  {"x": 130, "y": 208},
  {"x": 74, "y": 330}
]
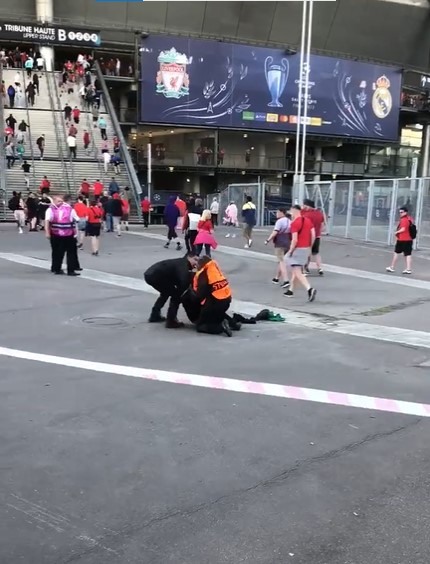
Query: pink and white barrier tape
[{"x": 232, "y": 385}]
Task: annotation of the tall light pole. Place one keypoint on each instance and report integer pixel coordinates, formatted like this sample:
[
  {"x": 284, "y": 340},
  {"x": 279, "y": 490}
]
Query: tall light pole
[{"x": 303, "y": 93}]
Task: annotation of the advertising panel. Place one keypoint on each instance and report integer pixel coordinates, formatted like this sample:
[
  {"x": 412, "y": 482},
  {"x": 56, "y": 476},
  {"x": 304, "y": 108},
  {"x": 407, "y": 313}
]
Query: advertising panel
[
  {"x": 48, "y": 33},
  {"x": 211, "y": 83}
]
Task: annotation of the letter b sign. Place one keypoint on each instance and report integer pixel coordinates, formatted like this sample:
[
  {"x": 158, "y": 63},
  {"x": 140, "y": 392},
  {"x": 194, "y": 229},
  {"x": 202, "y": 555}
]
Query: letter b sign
[{"x": 62, "y": 35}]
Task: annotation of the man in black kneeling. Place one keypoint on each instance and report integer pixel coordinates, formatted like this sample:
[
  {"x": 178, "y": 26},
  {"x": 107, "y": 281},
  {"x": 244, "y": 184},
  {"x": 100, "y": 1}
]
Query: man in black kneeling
[{"x": 171, "y": 277}]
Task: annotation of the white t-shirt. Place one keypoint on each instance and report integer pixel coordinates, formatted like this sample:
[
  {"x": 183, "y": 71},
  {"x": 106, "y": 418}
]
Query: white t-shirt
[
  {"x": 71, "y": 141},
  {"x": 39, "y": 62},
  {"x": 106, "y": 158},
  {"x": 214, "y": 207}
]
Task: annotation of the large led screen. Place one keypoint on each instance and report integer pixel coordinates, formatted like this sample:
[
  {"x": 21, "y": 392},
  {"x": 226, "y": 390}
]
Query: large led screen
[{"x": 211, "y": 83}]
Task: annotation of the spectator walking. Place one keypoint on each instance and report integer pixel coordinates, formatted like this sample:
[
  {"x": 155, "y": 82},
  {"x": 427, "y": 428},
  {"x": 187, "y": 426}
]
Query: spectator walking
[
  {"x": 97, "y": 189},
  {"x": 72, "y": 130},
  {"x": 40, "y": 142},
  {"x": 86, "y": 140},
  {"x": 16, "y": 204},
  {"x": 31, "y": 205},
  {"x": 71, "y": 143},
  {"x": 113, "y": 187},
  {"x": 204, "y": 235},
  {"x": 26, "y": 170},
  {"x": 249, "y": 212},
  {"x": 106, "y": 162},
  {"x": 230, "y": 218},
  {"x": 95, "y": 113},
  {"x": 20, "y": 151},
  {"x": 11, "y": 122},
  {"x": 11, "y": 92},
  {"x": 94, "y": 222},
  {"x": 116, "y": 162},
  {"x": 67, "y": 112},
  {"x": 171, "y": 216},
  {"x": 214, "y": 209},
  {"x": 45, "y": 185},
  {"x": 10, "y": 155},
  {"x": 145, "y": 206},
  {"x": 281, "y": 237},
  {"x": 302, "y": 239},
  {"x": 81, "y": 210},
  {"x": 28, "y": 65},
  {"x": 40, "y": 63},
  {"x": 116, "y": 211},
  {"x": 125, "y": 212},
  {"x": 102, "y": 126},
  {"x": 30, "y": 91},
  {"x": 76, "y": 114},
  {"x": 405, "y": 234},
  {"x": 84, "y": 190},
  {"x": 107, "y": 207},
  {"x": 36, "y": 82},
  {"x": 22, "y": 127}
]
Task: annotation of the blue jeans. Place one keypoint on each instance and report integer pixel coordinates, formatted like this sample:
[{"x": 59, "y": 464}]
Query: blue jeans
[{"x": 109, "y": 222}]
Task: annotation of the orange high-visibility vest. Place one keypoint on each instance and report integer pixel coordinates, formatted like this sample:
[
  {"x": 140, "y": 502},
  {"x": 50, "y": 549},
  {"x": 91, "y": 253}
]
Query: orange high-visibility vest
[{"x": 220, "y": 288}]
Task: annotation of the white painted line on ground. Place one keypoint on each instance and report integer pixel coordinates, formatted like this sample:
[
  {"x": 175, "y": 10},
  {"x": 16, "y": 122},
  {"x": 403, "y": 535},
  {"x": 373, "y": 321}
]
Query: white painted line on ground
[
  {"x": 303, "y": 320},
  {"x": 334, "y": 269},
  {"x": 231, "y": 385}
]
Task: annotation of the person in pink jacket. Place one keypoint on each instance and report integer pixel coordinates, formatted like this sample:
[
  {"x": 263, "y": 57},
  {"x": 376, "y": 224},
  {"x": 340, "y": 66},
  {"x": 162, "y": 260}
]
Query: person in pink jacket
[
  {"x": 230, "y": 218},
  {"x": 204, "y": 235}
]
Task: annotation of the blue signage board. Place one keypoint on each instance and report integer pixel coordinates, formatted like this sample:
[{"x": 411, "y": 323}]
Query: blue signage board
[{"x": 211, "y": 83}]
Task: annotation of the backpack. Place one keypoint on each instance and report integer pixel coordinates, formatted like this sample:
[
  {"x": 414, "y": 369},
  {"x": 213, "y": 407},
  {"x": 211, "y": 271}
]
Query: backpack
[
  {"x": 12, "y": 204},
  {"x": 412, "y": 230}
]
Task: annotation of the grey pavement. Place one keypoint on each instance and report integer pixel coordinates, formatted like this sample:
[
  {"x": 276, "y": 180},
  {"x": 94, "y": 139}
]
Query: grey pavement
[{"x": 98, "y": 468}]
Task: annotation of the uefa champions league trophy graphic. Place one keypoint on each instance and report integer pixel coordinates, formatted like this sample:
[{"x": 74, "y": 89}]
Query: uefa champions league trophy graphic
[{"x": 276, "y": 78}]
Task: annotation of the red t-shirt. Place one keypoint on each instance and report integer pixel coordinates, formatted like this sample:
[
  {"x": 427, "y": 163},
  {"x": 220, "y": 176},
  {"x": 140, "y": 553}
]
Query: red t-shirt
[
  {"x": 303, "y": 226},
  {"x": 205, "y": 225},
  {"x": 404, "y": 223},
  {"x": 317, "y": 219},
  {"x": 76, "y": 112},
  {"x": 86, "y": 138},
  {"x": 95, "y": 214},
  {"x": 81, "y": 209},
  {"x": 182, "y": 206},
  {"x": 45, "y": 184},
  {"x": 145, "y": 205},
  {"x": 98, "y": 188},
  {"x": 85, "y": 188}
]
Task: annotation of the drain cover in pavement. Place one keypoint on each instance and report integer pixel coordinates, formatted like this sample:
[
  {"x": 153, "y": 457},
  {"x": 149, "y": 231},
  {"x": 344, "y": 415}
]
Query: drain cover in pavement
[{"x": 104, "y": 321}]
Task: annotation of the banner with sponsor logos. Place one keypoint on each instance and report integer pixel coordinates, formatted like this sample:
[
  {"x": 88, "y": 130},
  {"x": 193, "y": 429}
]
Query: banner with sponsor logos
[
  {"x": 48, "y": 33},
  {"x": 212, "y": 83}
]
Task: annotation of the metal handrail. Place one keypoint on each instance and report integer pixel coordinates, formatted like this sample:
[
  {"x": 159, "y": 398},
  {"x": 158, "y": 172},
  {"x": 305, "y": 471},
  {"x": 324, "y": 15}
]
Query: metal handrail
[
  {"x": 30, "y": 139},
  {"x": 65, "y": 134},
  {"x": 3, "y": 193},
  {"x": 57, "y": 134},
  {"x": 131, "y": 172}
]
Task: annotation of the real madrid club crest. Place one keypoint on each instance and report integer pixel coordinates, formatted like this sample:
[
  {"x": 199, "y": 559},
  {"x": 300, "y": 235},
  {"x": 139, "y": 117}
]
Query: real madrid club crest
[
  {"x": 382, "y": 101},
  {"x": 172, "y": 79}
]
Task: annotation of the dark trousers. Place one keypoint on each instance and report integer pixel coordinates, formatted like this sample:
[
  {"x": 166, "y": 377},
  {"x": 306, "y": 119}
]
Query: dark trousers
[
  {"x": 63, "y": 246},
  {"x": 199, "y": 247},
  {"x": 190, "y": 237},
  {"x": 11, "y": 101},
  {"x": 212, "y": 315},
  {"x": 171, "y": 233},
  {"x": 145, "y": 217},
  {"x": 214, "y": 219},
  {"x": 10, "y": 161},
  {"x": 167, "y": 290},
  {"x": 73, "y": 152},
  {"x": 103, "y": 134}
]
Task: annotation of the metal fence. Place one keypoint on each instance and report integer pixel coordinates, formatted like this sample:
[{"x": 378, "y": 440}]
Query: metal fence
[
  {"x": 367, "y": 210},
  {"x": 237, "y": 193}
]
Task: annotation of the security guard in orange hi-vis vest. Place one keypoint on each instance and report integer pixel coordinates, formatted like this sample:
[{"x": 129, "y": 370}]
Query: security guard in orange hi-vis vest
[{"x": 213, "y": 291}]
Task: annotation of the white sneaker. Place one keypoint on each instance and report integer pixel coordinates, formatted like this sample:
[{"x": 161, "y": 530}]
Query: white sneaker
[
  {"x": 407, "y": 271},
  {"x": 20, "y": 231},
  {"x": 227, "y": 236},
  {"x": 389, "y": 269},
  {"x": 233, "y": 236},
  {"x": 246, "y": 247},
  {"x": 250, "y": 243}
]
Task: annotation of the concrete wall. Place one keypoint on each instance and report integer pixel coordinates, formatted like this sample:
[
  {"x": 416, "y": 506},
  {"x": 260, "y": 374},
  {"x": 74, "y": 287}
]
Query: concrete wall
[{"x": 376, "y": 29}]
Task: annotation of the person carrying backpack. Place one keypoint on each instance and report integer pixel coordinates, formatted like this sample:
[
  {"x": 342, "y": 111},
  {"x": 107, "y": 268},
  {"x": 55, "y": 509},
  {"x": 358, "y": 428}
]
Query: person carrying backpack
[{"x": 405, "y": 234}]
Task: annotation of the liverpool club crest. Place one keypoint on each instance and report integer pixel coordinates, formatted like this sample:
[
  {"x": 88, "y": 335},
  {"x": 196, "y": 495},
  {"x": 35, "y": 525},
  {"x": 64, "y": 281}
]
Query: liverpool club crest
[
  {"x": 382, "y": 101},
  {"x": 172, "y": 78}
]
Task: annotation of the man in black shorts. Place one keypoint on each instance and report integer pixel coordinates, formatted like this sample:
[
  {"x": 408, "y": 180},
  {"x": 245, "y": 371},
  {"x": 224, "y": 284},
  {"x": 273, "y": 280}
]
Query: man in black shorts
[{"x": 404, "y": 241}]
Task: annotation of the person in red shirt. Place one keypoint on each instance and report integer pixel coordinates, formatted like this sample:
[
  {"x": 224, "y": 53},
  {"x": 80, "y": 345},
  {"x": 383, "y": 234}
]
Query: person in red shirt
[
  {"x": 86, "y": 140},
  {"x": 81, "y": 210},
  {"x": 76, "y": 112},
  {"x": 404, "y": 241},
  {"x": 97, "y": 189},
  {"x": 182, "y": 207},
  {"x": 94, "y": 222},
  {"x": 125, "y": 204},
  {"x": 317, "y": 218},
  {"x": 45, "y": 185},
  {"x": 302, "y": 239},
  {"x": 145, "y": 206},
  {"x": 85, "y": 188}
]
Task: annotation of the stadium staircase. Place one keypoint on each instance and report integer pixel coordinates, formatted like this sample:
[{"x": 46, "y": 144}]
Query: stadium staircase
[{"x": 66, "y": 174}]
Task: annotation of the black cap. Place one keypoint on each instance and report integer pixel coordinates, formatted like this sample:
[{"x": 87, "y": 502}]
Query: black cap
[{"x": 309, "y": 203}]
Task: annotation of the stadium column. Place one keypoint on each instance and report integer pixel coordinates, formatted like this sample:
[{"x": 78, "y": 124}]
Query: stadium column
[
  {"x": 425, "y": 151},
  {"x": 45, "y": 13}
]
